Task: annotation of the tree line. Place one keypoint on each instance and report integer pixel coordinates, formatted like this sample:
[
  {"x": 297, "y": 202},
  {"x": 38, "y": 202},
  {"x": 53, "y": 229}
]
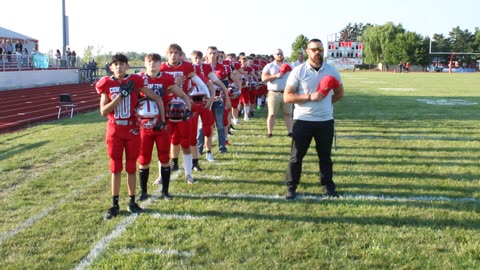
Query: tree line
[{"x": 390, "y": 44}]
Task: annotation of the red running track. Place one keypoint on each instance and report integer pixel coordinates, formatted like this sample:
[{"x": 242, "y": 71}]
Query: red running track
[{"x": 21, "y": 108}]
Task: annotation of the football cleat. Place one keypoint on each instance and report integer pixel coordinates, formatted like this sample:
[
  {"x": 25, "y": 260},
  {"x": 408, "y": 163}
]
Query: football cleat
[
  {"x": 175, "y": 167},
  {"x": 134, "y": 208},
  {"x": 197, "y": 168},
  {"x": 210, "y": 157},
  {"x": 166, "y": 196},
  {"x": 143, "y": 196},
  {"x": 190, "y": 179},
  {"x": 112, "y": 212}
]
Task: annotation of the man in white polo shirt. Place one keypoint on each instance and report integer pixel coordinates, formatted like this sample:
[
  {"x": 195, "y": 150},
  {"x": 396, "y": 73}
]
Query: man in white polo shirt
[
  {"x": 275, "y": 74},
  {"x": 313, "y": 87}
]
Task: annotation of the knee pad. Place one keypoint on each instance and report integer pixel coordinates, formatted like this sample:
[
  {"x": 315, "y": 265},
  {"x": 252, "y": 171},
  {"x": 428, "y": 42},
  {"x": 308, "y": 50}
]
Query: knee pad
[
  {"x": 116, "y": 165},
  {"x": 131, "y": 166}
]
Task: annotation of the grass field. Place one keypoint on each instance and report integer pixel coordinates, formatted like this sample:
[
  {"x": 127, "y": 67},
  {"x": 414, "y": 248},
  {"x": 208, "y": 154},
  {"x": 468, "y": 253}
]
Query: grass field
[{"x": 407, "y": 168}]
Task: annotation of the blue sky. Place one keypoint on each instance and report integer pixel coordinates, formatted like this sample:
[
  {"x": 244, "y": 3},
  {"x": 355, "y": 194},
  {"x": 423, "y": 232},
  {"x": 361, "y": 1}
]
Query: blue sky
[{"x": 252, "y": 26}]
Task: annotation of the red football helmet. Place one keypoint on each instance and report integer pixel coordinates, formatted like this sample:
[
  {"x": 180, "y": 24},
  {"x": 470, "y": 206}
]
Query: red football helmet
[
  {"x": 198, "y": 98},
  {"x": 147, "y": 108},
  {"x": 233, "y": 90},
  {"x": 176, "y": 110},
  {"x": 147, "y": 113}
]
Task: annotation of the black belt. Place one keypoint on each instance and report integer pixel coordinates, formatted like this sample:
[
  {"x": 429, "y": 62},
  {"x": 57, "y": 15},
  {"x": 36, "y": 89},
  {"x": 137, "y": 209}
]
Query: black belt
[{"x": 276, "y": 91}]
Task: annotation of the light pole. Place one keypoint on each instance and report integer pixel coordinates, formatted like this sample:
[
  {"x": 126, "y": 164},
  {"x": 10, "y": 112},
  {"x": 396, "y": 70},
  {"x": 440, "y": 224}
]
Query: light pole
[{"x": 65, "y": 28}]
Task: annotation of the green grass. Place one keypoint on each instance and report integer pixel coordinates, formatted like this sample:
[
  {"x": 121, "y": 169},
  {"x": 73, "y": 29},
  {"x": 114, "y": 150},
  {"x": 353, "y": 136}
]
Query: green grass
[{"x": 408, "y": 173}]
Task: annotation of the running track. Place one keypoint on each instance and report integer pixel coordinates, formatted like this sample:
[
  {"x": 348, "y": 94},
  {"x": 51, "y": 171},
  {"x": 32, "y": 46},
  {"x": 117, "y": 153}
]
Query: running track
[{"x": 22, "y": 108}]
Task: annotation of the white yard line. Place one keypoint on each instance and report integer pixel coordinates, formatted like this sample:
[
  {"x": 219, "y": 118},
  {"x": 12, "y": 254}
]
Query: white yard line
[
  {"x": 34, "y": 219},
  {"x": 323, "y": 197},
  {"x": 157, "y": 251},
  {"x": 176, "y": 216},
  {"x": 121, "y": 227}
]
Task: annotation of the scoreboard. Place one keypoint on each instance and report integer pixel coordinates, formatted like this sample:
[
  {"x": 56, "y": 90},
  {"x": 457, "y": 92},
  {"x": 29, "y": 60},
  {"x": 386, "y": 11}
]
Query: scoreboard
[{"x": 345, "y": 53}]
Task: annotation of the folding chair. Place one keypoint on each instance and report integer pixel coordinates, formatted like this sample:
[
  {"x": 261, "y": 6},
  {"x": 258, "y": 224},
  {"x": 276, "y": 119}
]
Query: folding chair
[{"x": 66, "y": 104}]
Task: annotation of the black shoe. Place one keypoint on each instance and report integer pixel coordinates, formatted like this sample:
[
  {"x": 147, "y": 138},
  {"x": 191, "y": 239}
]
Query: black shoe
[
  {"x": 166, "y": 196},
  {"x": 134, "y": 208},
  {"x": 291, "y": 194},
  {"x": 269, "y": 135},
  {"x": 289, "y": 134},
  {"x": 174, "y": 167},
  {"x": 232, "y": 127},
  {"x": 143, "y": 196},
  {"x": 197, "y": 168},
  {"x": 330, "y": 190},
  {"x": 112, "y": 212},
  {"x": 229, "y": 132}
]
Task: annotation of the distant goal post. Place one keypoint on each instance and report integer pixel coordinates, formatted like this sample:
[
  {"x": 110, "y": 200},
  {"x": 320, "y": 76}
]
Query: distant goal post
[{"x": 452, "y": 64}]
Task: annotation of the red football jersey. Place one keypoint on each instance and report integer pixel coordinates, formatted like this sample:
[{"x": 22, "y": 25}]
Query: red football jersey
[
  {"x": 125, "y": 110},
  {"x": 182, "y": 69},
  {"x": 221, "y": 71},
  {"x": 159, "y": 84}
]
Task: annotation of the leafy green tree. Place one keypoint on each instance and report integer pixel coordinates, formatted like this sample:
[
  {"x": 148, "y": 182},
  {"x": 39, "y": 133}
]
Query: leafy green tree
[
  {"x": 440, "y": 43},
  {"x": 87, "y": 54},
  {"x": 379, "y": 43},
  {"x": 353, "y": 32},
  {"x": 299, "y": 45}
]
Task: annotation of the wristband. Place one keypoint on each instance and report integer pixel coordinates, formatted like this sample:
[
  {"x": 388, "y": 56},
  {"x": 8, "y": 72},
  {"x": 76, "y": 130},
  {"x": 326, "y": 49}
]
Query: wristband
[{"x": 309, "y": 97}]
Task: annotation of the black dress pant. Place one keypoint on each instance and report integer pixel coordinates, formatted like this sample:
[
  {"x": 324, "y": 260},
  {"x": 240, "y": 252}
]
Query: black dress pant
[{"x": 302, "y": 134}]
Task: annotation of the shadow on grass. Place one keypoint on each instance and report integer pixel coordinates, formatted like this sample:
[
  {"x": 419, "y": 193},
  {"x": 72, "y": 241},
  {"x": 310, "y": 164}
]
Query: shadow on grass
[
  {"x": 394, "y": 221},
  {"x": 20, "y": 148}
]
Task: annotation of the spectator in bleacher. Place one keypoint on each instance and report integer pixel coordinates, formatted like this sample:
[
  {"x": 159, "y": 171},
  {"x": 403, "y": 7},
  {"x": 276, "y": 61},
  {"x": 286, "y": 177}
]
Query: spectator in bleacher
[
  {"x": 3, "y": 46},
  {"x": 68, "y": 53},
  {"x": 58, "y": 56},
  {"x": 25, "y": 57},
  {"x": 73, "y": 58},
  {"x": 9, "y": 50},
  {"x": 18, "y": 57},
  {"x": 18, "y": 46},
  {"x": 92, "y": 65}
]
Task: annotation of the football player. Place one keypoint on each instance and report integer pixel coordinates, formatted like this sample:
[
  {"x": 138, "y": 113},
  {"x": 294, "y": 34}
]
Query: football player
[
  {"x": 119, "y": 95},
  {"x": 163, "y": 85},
  {"x": 184, "y": 74}
]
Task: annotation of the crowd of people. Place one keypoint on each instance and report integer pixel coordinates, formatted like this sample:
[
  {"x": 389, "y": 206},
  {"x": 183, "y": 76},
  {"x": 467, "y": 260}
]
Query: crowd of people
[
  {"x": 177, "y": 105},
  {"x": 18, "y": 55}
]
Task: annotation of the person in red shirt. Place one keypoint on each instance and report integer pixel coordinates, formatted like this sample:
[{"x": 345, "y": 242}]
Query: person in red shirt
[
  {"x": 119, "y": 95},
  {"x": 202, "y": 108},
  {"x": 163, "y": 85},
  {"x": 185, "y": 75}
]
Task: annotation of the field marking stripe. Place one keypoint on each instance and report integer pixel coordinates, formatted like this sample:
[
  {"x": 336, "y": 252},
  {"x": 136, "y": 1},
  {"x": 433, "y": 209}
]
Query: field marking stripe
[
  {"x": 34, "y": 219},
  {"x": 324, "y": 197},
  {"x": 157, "y": 251},
  {"x": 177, "y": 216},
  {"x": 122, "y": 226},
  {"x": 103, "y": 243}
]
